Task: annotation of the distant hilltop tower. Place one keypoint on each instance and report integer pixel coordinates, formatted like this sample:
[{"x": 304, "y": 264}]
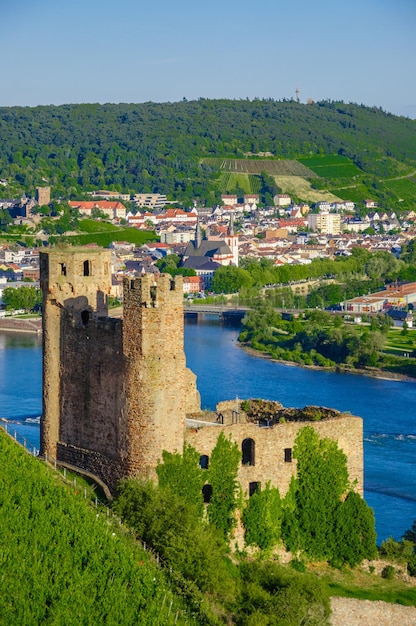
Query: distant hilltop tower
[
  {"x": 115, "y": 391},
  {"x": 43, "y": 195}
]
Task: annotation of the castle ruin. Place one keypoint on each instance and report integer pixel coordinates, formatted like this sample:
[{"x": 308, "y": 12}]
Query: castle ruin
[{"x": 117, "y": 392}]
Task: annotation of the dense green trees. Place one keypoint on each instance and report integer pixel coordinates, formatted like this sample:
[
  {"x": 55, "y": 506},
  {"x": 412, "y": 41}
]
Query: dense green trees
[
  {"x": 223, "y": 469},
  {"x": 230, "y": 279},
  {"x": 320, "y": 517},
  {"x": 159, "y": 147},
  {"x": 171, "y": 526},
  {"x": 360, "y": 273},
  {"x": 319, "y": 339},
  {"x": 170, "y": 264},
  {"x": 25, "y": 297},
  {"x": 262, "y": 518}
]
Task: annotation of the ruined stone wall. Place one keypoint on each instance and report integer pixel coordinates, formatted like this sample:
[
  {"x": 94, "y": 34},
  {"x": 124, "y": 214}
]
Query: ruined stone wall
[
  {"x": 115, "y": 392},
  {"x": 109, "y": 470},
  {"x": 75, "y": 282},
  {"x": 162, "y": 390},
  {"x": 92, "y": 385},
  {"x": 270, "y": 444}
]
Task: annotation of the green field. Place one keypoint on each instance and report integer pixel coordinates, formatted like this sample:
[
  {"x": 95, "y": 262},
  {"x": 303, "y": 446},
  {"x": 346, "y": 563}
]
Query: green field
[
  {"x": 398, "y": 344},
  {"x": 250, "y": 183},
  {"x": 104, "y": 236},
  {"x": 332, "y": 166},
  {"x": 403, "y": 188}
]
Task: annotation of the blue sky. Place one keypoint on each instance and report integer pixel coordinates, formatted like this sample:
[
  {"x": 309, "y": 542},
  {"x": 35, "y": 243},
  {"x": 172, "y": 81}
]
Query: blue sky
[{"x": 57, "y": 51}]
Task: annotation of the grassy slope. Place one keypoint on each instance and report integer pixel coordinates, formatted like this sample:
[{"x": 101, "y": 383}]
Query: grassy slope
[{"x": 62, "y": 563}]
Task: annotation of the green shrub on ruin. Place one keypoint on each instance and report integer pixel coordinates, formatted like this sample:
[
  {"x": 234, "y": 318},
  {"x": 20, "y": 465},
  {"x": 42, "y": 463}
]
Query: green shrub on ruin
[
  {"x": 181, "y": 474},
  {"x": 262, "y": 518},
  {"x": 327, "y": 520},
  {"x": 222, "y": 476},
  {"x": 354, "y": 531}
]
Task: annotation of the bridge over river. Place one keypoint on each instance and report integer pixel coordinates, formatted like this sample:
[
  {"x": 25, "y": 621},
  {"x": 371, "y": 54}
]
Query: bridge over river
[{"x": 225, "y": 313}]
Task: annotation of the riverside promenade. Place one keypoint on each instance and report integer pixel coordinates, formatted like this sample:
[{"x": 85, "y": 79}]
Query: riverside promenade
[{"x": 21, "y": 324}]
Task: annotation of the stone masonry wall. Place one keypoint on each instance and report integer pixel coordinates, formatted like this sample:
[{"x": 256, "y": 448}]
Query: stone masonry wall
[
  {"x": 271, "y": 442},
  {"x": 162, "y": 390},
  {"x": 91, "y": 389},
  {"x": 116, "y": 392}
]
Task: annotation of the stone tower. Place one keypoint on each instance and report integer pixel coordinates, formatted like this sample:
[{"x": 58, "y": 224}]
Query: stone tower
[
  {"x": 161, "y": 390},
  {"x": 43, "y": 195},
  {"x": 115, "y": 392}
]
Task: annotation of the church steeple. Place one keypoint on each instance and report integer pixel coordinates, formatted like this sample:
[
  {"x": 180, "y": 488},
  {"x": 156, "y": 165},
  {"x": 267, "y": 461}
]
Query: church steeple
[
  {"x": 198, "y": 234},
  {"x": 231, "y": 227}
]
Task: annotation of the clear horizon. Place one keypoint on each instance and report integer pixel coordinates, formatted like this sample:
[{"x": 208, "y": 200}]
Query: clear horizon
[{"x": 101, "y": 52}]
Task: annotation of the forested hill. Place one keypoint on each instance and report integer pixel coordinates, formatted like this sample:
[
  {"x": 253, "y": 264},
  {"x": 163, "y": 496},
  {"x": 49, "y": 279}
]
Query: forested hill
[{"x": 154, "y": 147}]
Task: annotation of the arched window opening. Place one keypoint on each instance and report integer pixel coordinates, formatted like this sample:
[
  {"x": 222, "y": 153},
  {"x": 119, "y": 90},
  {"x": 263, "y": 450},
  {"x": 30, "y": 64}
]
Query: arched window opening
[
  {"x": 288, "y": 455},
  {"x": 207, "y": 493},
  {"x": 87, "y": 268},
  {"x": 204, "y": 461},
  {"x": 248, "y": 449},
  {"x": 253, "y": 487},
  {"x": 85, "y": 317}
]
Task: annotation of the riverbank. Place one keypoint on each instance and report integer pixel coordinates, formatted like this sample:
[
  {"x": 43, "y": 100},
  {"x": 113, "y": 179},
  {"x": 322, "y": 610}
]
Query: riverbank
[
  {"x": 21, "y": 325},
  {"x": 374, "y": 372}
]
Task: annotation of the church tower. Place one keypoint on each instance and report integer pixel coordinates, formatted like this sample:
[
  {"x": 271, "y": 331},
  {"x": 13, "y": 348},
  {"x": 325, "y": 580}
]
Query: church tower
[{"x": 231, "y": 240}]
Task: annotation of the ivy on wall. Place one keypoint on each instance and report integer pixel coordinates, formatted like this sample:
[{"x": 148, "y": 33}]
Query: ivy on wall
[
  {"x": 329, "y": 520},
  {"x": 262, "y": 518},
  {"x": 181, "y": 474},
  {"x": 222, "y": 475}
]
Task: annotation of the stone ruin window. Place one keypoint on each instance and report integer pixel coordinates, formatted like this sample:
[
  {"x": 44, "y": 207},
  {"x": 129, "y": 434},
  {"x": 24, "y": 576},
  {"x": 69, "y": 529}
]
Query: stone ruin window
[
  {"x": 253, "y": 487},
  {"x": 153, "y": 295},
  {"x": 85, "y": 317},
  {"x": 63, "y": 269},
  {"x": 288, "y": 455},
  {"x": 172, "y": 285},
  {"x": 204, "y": 461},
  {"x": 87, "y": 268},
  {"x": 248, "y": 451},
  {"x": 207, "y": 493}
]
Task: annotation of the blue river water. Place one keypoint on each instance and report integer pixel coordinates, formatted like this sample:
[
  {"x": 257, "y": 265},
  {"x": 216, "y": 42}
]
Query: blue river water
[{"x": 225, "y": 371}]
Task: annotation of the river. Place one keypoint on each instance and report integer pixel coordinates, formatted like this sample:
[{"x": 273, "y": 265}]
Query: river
[{"x": 225, "y": 371}]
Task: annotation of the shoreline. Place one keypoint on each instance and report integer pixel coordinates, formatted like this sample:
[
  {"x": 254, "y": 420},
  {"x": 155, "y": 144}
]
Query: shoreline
[
  {"x": 375, "y": 373},
  {"x": 31, "y": 325}
]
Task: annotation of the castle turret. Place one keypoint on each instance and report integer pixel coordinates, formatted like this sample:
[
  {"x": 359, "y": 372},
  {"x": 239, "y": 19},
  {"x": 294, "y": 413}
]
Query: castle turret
[
  {"x": 161, "y": 388},
  {"x": 75, "y": 287}
]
